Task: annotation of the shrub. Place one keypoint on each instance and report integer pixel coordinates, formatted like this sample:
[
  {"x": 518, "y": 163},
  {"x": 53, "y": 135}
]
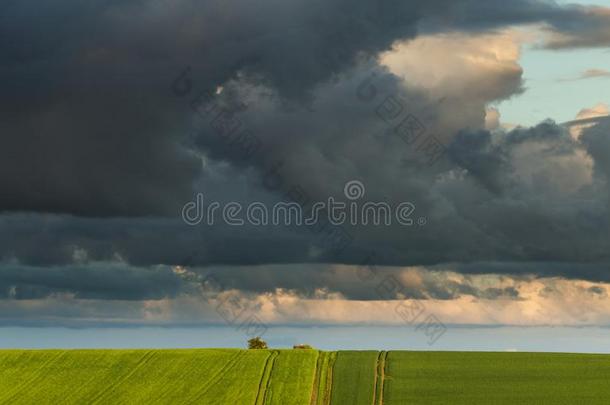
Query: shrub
[{"x": 302, "y": 347}]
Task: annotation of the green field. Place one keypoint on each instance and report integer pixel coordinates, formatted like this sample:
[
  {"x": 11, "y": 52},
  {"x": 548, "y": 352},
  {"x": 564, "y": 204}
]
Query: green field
[
  {"x": 354, "y": 378},
  {"x": 294, "y": 377},
  {"x": 497, "y": 378}
]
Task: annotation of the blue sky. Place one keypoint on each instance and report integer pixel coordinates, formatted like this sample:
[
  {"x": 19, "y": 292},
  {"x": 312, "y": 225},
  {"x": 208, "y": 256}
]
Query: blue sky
[
  {"x": 549, "y": 92},
  {"x": 460, "y": 338}
]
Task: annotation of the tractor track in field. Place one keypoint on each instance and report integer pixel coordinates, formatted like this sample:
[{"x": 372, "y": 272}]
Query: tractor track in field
[
  {"x": 324, "y": 366},
  {"x": 380, "y": 368},
  {"x": 329, "y": 383},
  {"x": 317, "y": 378},
  {"x": 263, "y": 384}
]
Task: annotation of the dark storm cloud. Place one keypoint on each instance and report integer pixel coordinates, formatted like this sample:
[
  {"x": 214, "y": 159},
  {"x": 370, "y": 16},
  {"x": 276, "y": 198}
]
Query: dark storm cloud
[
  {"x": 522, "y": 195},
  {"x": 598, "y": 145},
  {"x": 119, "y": 281},
  {"x": 53, "y": 240},
  {"x": 574, "y": 270},
  {"x": 89, "y": 127},
  {"x": 584, "y": 27},
  {"x": 90, "y": 281},
  {"x": 570, "y": 26},
  {"x": 543, "y": 208},
  {"x": 474, "y": 153}
]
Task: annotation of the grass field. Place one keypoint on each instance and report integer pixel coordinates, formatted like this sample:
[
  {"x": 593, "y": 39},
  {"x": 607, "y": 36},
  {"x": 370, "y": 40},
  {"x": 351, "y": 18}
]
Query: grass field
[
  {"x": 295, "y": 377},
  {"x": 292, "y": 377},
  {"x": 354, "y": 378},
  {"x": 324, "y": 378},
  {"x": 496, "y": 378}
]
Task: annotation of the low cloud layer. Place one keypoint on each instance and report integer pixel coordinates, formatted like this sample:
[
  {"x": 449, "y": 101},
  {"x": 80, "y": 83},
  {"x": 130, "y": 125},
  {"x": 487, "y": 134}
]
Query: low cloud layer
[{"x": 450, "y": 297}]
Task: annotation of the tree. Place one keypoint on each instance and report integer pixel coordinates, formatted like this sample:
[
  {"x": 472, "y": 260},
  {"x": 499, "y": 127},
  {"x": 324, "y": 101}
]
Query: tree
[{"x": 257, "y": 343}]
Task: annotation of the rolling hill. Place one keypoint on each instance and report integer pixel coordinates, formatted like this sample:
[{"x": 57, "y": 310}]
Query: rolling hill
[{"x": 300, "y": 377}]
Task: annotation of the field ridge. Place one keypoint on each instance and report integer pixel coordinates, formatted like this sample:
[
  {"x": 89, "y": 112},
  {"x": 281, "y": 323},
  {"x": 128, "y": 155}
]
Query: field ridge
[
  {"x": 380, "y": 378},
  {"x": 266, "y": 378}
]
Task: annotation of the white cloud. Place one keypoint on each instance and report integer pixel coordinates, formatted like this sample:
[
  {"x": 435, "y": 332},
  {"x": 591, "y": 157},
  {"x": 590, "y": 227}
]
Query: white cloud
[
  {"x": 599, "y": 110},
  {"x": 588, "y": 74},
  {"x": 465, "y": 71}
]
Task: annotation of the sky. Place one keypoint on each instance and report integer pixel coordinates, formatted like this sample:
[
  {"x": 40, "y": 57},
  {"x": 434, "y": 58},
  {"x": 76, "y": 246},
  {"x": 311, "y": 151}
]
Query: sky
[
  {"x": 551, "y": 74},
  {"x": 338, "y": 337},
  {"x": 211, "y": 171},
  {"x": 553, "y": 90}
]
